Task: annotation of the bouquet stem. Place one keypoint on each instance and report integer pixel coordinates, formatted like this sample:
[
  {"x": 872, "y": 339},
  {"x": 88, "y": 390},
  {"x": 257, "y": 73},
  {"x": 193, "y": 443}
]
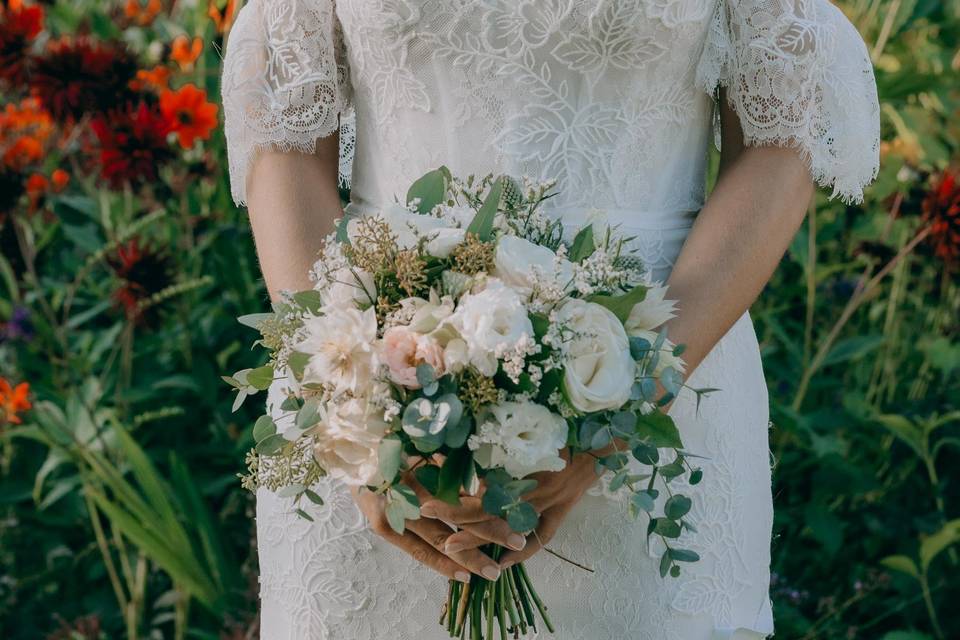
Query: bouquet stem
[{"x": 511, "y": 600}]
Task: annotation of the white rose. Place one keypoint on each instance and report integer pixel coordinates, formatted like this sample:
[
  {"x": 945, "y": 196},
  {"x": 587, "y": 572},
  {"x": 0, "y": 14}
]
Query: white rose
[
  {"x": 521, "y": 264},
  {"x": 490, "y": 321},
  {"x": 349, "y": 288},
  {"x": 652, "y": 312},
  {"x": 340, "y": 346},
  {"x": 667, "y": 359},
  {"x": 598, "y": 370},
  {"x": 347, "y": 441},
  {"x": 521, "y": 437}
]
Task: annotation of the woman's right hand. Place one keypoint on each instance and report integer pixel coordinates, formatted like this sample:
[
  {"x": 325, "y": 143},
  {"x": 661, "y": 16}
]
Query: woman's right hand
[{"x": 425, "y": 539}]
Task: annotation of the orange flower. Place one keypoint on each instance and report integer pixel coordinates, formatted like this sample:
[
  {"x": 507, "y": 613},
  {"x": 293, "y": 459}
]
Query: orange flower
[
  {"x": 60, "y": 179},
  {"x": 156, "y": 79},
  {"x": 222, "y": 20},
  {"x": 185, "y": 52},
  {"x": 13, "y": 400},
  {"x": 142, "y": 15},
  {"x": 189, "y": 114},
  {"x": 24, "y": 132}
]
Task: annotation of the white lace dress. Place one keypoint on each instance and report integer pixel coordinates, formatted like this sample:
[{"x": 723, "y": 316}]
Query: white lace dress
[{"x": 615, "y": 98}]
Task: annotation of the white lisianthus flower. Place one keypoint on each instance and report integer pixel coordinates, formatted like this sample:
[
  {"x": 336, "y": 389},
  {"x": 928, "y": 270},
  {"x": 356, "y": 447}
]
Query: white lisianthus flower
[
  {"x": 666, "y": 359},
  {"x": 442, "y": 242},
  {"x": 598, "y": 370},
  {"x": 521, "y": 437},
  {"x": 341, "y": 349},
  {"x": 347, "y": 441},
  {"x": 521, "y": 264},
  {"x": 489, "y": 322},
  {"x": 349, "y": 287},
  {"x": 652, "y": 312},
  {"x": 430, "y": 313}
]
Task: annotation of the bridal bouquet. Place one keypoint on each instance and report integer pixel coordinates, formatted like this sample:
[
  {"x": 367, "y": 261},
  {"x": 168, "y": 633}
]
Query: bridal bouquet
[{"x": 458, "y": 343}]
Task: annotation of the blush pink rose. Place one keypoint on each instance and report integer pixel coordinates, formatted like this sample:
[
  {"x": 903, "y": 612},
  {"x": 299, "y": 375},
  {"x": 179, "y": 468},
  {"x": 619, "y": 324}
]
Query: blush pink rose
[{"x": 404, "y": 349}]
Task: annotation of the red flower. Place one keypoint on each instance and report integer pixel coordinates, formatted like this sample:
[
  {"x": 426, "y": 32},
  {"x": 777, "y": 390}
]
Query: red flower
[
  {"x": 13, "y": 400},
  {"x": 189, "y": 114},
  {"x": 19, "y": 25},
  {"x": 143, "y": 272},
  {"x": 133, "y": 144},
  {"x": 78, "y": 76},
  {"x": 941, "y": 210}
]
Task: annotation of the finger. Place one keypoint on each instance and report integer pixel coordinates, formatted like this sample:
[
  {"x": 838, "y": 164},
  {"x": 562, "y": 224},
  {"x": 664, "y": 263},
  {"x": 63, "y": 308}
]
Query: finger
[
  {"x": 436, "y": 534},
  {"x": 550, "y": 521},
  {"x": 421, "y": 551},
  {"x": 469, "y": 510},
  {"x": 480, "y": 533}
]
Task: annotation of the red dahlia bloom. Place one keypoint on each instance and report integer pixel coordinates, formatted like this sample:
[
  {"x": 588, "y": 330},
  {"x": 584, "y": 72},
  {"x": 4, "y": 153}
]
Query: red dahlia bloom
[
  {"x": 78, "y": 76},
  {"x": 143, "y": 272},
  {"x": 19, "y": 25},
  {"x": 941, "y": 210},
  {"x": 133, "y": 144}
]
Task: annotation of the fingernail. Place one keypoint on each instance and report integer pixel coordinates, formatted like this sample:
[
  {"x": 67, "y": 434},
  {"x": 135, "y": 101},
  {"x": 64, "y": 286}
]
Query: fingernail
[
  {"x": 506, "y": 565},
  {"x": 428, "y": 511},
  {"x": 490, "y": 572},
  {"x": 461, "y": 576},
  {"x": 516, "y": 541},
  {"x": 452, "y": 547}
]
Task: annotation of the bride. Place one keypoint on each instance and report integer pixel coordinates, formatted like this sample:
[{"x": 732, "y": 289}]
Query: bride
[{"x": 618, "y": 100}]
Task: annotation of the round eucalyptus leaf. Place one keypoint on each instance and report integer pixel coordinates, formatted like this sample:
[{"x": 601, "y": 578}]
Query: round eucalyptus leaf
[
  {"x": 677, "y": 506},
  {"x": 522, "y": 517}
]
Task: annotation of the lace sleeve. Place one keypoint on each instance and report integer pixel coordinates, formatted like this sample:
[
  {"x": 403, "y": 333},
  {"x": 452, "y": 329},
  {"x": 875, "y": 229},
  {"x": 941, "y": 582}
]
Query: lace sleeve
[
  {"x": 285, "y": 84},
  {"x": 798, "y": 74}
]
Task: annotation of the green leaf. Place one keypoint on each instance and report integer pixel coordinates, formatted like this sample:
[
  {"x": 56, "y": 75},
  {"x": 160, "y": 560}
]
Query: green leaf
[
  {"x": 303, "y": 514},
  {"x": 313, "y": 497},
  {"x": 451, "y": 475},
  {"x": 391, "y": 448},
  {"x": 623, "y": 304},
  {"x": 455, "y": 435},
  {"x": 933, "y": 545},
  {"x": 261, "y": 377},
  {"x": 903, "y": 564},
  {"x": 431, "y": 188},
  {"x": 271, "y": 445},
  {"x": 394, "y": 512},
  {"x": 482, "y": 223},
  {"x": 429, "y": 477},
  {"x": 522, "y": 517},
  {"x": 254, "y": 320},
  {"x": 667, "y": 528},
  {"x": 659, "y": 430},
  {"x": 308, "y": 415},
  {"x": 297, "y": 362},
  {"x": 643, "y": 500},
  {"x": 583, "y": 245},
  {"x": 684, "y": 555},
  {"x": 677, "y": 506},
  {"x": 665, "y": 564},
  {"x": 496, "y": 499},
  {"x": 290, "y": 490},
  {"x": 263, "y": 428},
  {"x": 309, "y": 300},
  {"x": 852, "y": 349}
]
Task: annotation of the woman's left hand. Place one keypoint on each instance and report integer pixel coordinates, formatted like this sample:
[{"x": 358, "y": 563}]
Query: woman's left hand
[{"x": 553, "y": 498}]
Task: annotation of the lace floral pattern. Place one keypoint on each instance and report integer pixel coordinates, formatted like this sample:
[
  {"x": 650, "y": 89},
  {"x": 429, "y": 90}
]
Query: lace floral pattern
[{"x": 614, "y": 98}]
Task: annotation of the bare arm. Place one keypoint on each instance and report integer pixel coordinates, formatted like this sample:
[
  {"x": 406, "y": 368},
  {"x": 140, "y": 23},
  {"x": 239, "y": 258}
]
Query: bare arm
[
  {"x": 293, "y": 201},
  {"x": 738, "y": 239}
]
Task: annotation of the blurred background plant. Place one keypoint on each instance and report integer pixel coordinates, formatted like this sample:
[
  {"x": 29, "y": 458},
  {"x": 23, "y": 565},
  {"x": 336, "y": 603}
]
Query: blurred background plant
[{"x": 124, "y": 263}]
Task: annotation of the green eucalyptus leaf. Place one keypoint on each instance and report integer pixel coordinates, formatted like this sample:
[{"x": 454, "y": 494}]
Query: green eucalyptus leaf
[
  {"x": 659, "y": 429},
  {"x": 677, "y": 506},
  {"x": 429, "y": 477},
  {"x": 496, "y": 499},
  {"x": 271, "y": 445},
  {"x": 389, "y": 457},
  {"x": 261, "y": 377},
  {"x": 263, "y": 427},
  {"x": 522, "y": 517}
]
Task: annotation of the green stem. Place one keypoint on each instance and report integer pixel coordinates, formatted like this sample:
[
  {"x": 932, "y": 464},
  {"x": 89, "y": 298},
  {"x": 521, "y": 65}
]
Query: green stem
[{"x": 536, "y": 598}]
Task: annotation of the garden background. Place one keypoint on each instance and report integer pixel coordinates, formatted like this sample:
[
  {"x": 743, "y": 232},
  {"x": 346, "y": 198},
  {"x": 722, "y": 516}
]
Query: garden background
[{"x": 124, "y": 265}]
